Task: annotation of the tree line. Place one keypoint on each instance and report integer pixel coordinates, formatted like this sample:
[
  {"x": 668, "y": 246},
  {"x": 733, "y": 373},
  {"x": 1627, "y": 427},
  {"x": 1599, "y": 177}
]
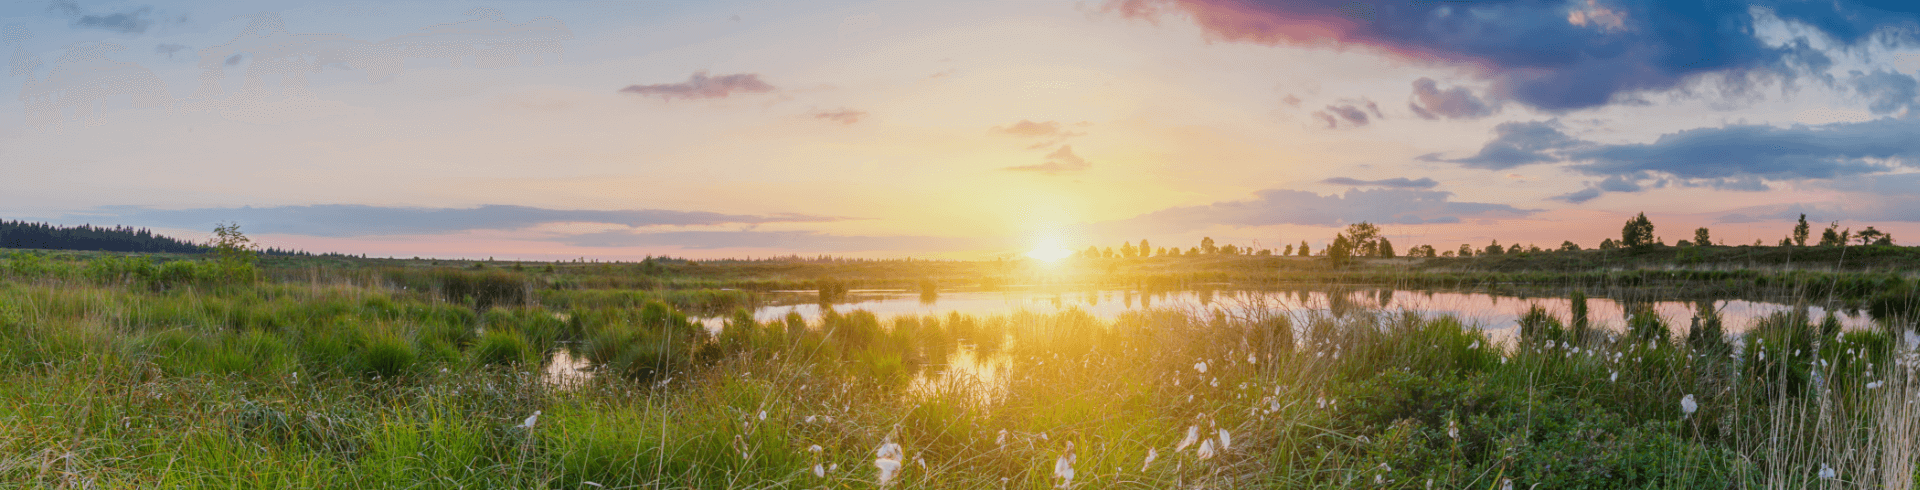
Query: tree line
[
  {"x": 1364, "y": 239},
  {"x": 23, "y": 234}
]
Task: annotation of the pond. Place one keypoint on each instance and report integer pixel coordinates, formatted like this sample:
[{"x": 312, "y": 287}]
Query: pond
[{"x": 1498, "y": 314}]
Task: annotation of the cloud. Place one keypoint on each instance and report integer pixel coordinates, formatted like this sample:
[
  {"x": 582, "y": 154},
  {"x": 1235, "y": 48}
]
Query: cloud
[
  {"x": 1351, "y": 113},
  {"x": 1888, "y": 92},
  {"x": 1550, "y": 55},
  {"x": 1049, "y": 133},
  {"x": 1430, "y": 102},
  {"x": 798, "y": 241},
  {"x": 1030, "y": 129},
  {"x": 1580, "y": 196},
  {"x": 1282, "y": 206},
  {"x": 349, "y": 220},
  {"x": 843, "y": 116},
  {"x": 1905, "y": 208},
  {"x": 1742, "y": 151},
  {"x": 1739, "y": 157},
  {"x": 128, "y": 22},
  {"x": 701, "y": 86},
  {"x": 1061, "y": 160},
  {"x": 1397, "y": 182},
  {"x": 1515, "y": 144},
  {"x": 168, "y": 49}
]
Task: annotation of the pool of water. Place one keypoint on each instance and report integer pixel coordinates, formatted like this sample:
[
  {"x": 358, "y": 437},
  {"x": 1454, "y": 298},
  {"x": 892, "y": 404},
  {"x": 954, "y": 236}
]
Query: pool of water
[{"x": 1498, "y": 314}]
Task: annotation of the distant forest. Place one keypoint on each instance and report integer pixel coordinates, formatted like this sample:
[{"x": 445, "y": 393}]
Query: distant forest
[{"x": 21, "y": 234}]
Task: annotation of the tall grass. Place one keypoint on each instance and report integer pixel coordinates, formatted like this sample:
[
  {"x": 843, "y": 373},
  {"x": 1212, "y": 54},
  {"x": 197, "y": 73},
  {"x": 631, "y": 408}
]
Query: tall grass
[{"x": 376, "y": 383}]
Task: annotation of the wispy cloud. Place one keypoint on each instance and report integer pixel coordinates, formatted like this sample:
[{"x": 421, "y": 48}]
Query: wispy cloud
[
  {"x": 1353, "y": 114},
  {"x": 1515, "y": 144},
  {"x": 350, "y": 220},
  {"x": 1432, "y": 102},
  {"x": 1283, "y": 206},
  {"x": 133, "y": 21},
  {"x": 1396, "y": 182},
  {"x": 1060, "y": 161},
  {"x": 1047, "y": 133},
  {"x": 701, "y": 86},
  {"x": 799, "y": 241},
  {"x": 842, "y": 116}
]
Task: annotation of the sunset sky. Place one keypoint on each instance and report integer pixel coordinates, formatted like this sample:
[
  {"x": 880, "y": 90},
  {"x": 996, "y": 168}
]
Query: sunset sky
[{"x": 618, "y": 130}]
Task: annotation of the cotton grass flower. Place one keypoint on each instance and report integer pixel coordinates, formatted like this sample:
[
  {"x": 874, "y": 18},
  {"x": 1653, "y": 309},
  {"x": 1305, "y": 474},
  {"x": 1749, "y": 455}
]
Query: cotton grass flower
[
  {"x": 1226, "y": 440},
  {"x": 1151, "y": 455},
  {"x": 1001, "y": 439},
  {"x": 1200, "y": 366},
  {"x": 1063, "y": 467},
  {"x": 818, "y": 470},
  {"x": 887, "y": 459},
  {"x": 1688, "y": 406},
  {"x": 1206, "y": 449},
  {"x": 1827, "y": 473},
  {"x": 531, "y": 419},
  {"x": 1193, "y": 435}
]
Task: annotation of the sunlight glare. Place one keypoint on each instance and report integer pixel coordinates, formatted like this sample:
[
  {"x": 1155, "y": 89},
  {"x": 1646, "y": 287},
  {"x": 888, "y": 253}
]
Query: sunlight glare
[{"x": 1049, "y": 253}]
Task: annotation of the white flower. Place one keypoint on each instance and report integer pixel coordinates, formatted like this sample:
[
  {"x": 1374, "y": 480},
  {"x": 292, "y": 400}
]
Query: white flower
[
  {"x": 1687, "y": 405},
  {"x": 1226, "y": 440},
  {"x": 1151, "y": 455},
  {"x": 1215, "y": 382},
  {"x": 819, "y": 471},
  {"x": 763, "y": 415},
  {"x": 1913, "y": 341},
  {"x": 1873, "y": 385},
  {"x": 1063, "y": 467},
  {"x": 1474, "y": 345},
  {"x": 1453, "y": 429},
  {"x": 811, "y": 418},
  {"x": 531, "y": 419},
  {"x": 1251, "y": 359},
  {"x": 887, "y": 458},
  {"x": 1613, "y": 377},
  {"x": 1506, "y": 484},
  {"x": 1826, "y": 472},
  {"x": 1206, "y": 449},
  {"x": 1200, "y": 366},
  {"x": 1193, "y": 435}
]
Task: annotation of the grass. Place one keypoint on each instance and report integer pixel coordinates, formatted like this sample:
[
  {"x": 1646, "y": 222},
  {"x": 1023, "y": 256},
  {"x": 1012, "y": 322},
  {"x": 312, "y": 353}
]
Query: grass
[{"x": 369, "y": 378}]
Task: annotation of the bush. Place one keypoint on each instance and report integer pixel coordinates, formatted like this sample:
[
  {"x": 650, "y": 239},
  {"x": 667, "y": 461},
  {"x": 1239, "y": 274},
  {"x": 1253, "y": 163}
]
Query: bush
[
  {"x": 389, "y": 356},
  {"x": 505, "y": 348}
]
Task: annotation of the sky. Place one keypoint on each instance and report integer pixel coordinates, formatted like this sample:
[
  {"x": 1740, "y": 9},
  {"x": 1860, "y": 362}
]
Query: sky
[{"x": 959, "y": 130}]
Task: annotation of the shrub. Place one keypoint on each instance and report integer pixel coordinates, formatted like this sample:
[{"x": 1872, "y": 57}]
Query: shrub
[
  {"x": 502, "y": 348},
  {"x": 389, "y": 356}
]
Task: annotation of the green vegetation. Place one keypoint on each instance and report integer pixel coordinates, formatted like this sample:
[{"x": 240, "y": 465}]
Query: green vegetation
[
  {"x": 124, "y": 372},
  {"x": 235, "y": 369}
]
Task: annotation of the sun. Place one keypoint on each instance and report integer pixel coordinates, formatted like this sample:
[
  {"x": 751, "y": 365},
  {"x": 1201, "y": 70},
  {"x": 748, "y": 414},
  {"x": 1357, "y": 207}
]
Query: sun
[
  {"x": 1049, "y": 253},
  {"x": 1049, "y": 250}
]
